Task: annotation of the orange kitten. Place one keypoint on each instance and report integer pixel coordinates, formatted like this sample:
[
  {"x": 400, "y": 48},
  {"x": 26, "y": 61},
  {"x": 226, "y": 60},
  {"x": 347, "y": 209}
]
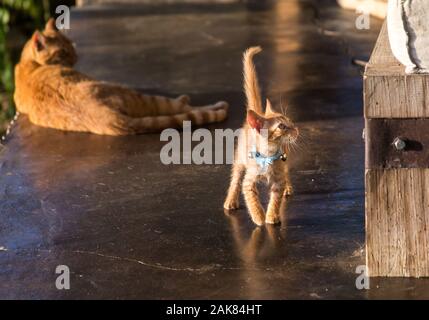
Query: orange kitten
[
  {"x": 267, "y": 136},
  {"x": 55, "y": 95}
]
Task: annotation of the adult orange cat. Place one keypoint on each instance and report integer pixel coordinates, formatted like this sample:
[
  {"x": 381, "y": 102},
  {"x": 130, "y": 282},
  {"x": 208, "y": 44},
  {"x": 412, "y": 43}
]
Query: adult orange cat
[{"x": 55, "y": 95}]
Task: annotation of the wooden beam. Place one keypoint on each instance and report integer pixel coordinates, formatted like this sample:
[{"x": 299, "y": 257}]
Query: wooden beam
[{"x": 388, "y": 91}]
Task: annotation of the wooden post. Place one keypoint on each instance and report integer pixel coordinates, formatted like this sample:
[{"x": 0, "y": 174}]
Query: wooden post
[{"x": 396, "y": 166}]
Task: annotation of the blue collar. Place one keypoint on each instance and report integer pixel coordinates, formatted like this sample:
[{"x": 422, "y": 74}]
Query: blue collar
[{"x": 263, "y": 161}]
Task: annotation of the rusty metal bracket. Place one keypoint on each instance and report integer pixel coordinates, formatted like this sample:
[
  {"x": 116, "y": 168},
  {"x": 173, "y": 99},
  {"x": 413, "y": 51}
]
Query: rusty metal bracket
[{"x": 396, "y": 143}]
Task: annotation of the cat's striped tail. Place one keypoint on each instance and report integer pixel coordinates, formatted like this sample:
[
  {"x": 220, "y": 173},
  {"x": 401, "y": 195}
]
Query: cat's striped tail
[
  {"x": 251, "y": 86},
  {"x": 197, "y": 115}
]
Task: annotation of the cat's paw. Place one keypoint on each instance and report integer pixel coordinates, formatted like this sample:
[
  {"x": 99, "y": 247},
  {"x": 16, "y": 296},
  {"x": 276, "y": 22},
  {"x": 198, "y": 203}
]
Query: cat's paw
[
  {"x": 231, "y": 204},
  {"x": 288, "y": 191},
  {"x": 185, "y": 99},
  {"x": 272, "y": 219},
  {"x": 224, "y": 105},
  {"x": 258, "y": 219},
  {"x": 221, "y": 105}
]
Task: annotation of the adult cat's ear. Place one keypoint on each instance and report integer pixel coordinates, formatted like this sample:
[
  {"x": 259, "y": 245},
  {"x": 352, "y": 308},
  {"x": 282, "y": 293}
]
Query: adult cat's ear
[
  {"x": 268, "y": 108},
  {"x": 50, "y": 25},
  {"x": 254, "y": 120},
  {"x": 39, "y": 41}
]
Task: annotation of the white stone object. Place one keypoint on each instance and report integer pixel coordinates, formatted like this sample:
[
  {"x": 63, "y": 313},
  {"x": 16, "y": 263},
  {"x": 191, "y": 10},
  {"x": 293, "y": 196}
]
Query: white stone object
[{"x": 408, "y": 29}]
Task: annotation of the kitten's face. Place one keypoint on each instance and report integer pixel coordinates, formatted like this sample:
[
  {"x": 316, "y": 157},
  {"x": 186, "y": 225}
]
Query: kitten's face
[
  {"x": 281, "y": 130},
  {"x": 50, "y": 47}
]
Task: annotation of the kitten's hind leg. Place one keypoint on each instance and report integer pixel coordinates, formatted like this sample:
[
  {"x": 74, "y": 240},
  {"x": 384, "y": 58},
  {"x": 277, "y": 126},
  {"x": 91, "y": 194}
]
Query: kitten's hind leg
[{"x": 232, "y": 198}]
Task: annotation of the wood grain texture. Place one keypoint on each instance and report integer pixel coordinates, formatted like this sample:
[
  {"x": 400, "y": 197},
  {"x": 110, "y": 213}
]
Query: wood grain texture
[
  {"x": 397, "y": 222},
  {"x": 388, "y": 91}
]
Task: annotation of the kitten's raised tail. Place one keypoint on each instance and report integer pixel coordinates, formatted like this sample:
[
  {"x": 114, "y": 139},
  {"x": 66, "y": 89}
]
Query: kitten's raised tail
[{"x": 251, "y": 86}]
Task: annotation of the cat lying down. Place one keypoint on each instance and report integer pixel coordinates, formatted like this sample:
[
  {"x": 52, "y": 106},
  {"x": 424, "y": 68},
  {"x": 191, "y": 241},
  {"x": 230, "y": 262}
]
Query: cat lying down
[{"x": 55, "y": 95}]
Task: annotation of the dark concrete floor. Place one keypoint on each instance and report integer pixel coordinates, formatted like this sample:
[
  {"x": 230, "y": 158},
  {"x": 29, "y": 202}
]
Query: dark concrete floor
[{"x": 130, "y": 227}]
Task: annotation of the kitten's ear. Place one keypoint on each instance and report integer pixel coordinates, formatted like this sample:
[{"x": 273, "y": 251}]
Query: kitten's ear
[
  {"x": 254, "y": 120},
  {"x": 268, "y": 108},
  {"x": 39, "y": 41},
  {"x": 50, "y": 25}
]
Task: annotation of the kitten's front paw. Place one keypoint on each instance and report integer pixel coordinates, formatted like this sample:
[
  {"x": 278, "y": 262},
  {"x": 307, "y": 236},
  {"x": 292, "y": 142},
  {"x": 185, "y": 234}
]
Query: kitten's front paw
[
  {"x": 272, "y": 219},
  {"x": 288, "y": 191},
  {"x": 231, "y": 204},
  {"x": 258, "y": 219}
]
